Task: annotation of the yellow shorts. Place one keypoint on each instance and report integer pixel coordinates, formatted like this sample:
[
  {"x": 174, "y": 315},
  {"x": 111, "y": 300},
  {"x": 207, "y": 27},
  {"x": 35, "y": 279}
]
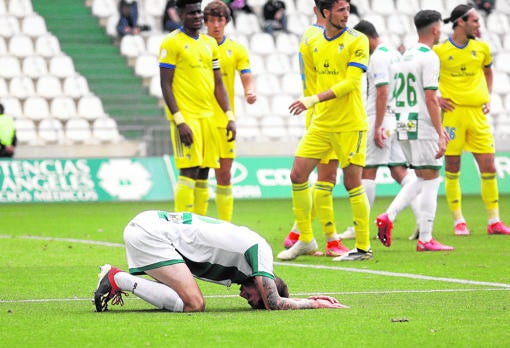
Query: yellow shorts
[
  {"x": 469, "y": 130},
  {"x": 349, "y": 147},
  {"x": 331, "y": 155},
  {"x": 227, "y": 148},
  {"x": 204, "y": 151}
]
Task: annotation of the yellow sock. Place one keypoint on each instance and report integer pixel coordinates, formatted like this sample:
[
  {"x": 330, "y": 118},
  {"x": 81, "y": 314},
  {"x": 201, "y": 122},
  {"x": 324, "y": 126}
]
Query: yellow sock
[
  {"x": 302, "y": 206},
  {"x": 453, "y": 194},
  {"x": 224, "y": 202},
  {"x": 490, "y": 194},
  {"x": 184, "y": 195},
  {"x": 322, "y": 193},
  {"x": 201, "y": 197},
  {"x": 360, "y": 213}
]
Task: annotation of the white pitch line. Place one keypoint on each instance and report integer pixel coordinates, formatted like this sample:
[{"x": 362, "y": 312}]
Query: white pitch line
[
  {"x": 286, "y": 264},
  {"x": 395, "y": 274},
  {"x": 383, "y": 292}
]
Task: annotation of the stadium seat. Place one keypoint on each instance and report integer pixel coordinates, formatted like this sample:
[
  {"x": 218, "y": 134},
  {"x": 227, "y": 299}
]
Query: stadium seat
[
  {"x": 90, "y": 107},
  {"x": 105, "y": 130},
  {"x": 399, "y": 24},
  {"x": 267, "y": 84},
  {"x": 47, "y": 46},
  {"x": 21, "y": 87},
  {"x": 274, "y": 128},
  {"x": 258, "y": 109},
  {"x": 3, "y": 47},
  {"x": 26, "y": 131},
  {"x": 3, "y": 8},
  {"x": 33, "y": 25},
  {"x": 12, "y": 106},
  {"x": 132, "y": 46},
  {"x": 76, "y": 86},
  {"x": 247, "y": 23},
  {"x": 501, "y": 62},
  {"x": 497, "y": 106},
  {"x": 278, "y": 64},
  {"x": 20, "y": 8},
  {"x": 296, "y": 127},
  {"x": 36, "y": 108},
  {"x": 304, "y": 6},
  {"x": 9, "y": 26},
  {"x": 61, "y": 66},
  {"x": 153, "y": 43},
  {"x": 103, "y": 9},
  {"x": 147, "y": 66},
  {"x": 154, "y": 8},
  {"x": 384, "y": 7},
  {"x": 63, "y": 108},
  {"x": 501, "y": 84},
  {"x": 4, "y": 91},
  {"x": 256, "y": 64},
  {"x": 437, "y": 5},
  {"x": 498, "y": 23},
  {"x": 238, "y": 106},
  {"x": 298, "y": 22},
  {"x": 10, "y": 66},
  {"x": 48, "y": 86},
  {"x": 20, "y": 45},
  {"x": 34, "y": 66},
  {"x": 287, "y": 43},
  {"x": 78, "y": 130},
  {"x": 292, "y": 84},
  {"x": 280, "y": 105},
  {"x": 408, "y": 7},
  {"x": 449, "y": 5},
  {"x": 111, "y": 25},
  {"x": 51, "y": 131},
  {"x": 247, "y": 129},
  {"x": 262, "y": 43},
  {"x": 378, "y": 21},
  {"x": 155, "y": 87}
]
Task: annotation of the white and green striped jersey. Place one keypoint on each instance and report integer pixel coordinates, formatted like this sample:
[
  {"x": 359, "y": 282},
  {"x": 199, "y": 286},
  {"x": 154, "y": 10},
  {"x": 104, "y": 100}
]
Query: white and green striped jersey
[{"x": 214, "y": 250}]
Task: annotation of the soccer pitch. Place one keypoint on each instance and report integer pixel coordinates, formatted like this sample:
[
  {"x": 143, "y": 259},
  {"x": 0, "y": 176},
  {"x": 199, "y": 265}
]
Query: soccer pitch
[{"x": 50, "y": 256}]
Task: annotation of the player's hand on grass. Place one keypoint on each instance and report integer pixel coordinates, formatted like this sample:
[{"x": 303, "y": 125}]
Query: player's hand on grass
[
  {"x": 327, "y": 302},
  {"x": 185, "y": 134},
  {"x": 231, "y": 130}
]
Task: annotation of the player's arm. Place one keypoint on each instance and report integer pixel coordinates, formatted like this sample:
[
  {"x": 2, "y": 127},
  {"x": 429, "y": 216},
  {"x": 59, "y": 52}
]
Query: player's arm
[
  {"x": 167, "y": 77},
  {"x": 435, "y": 116},
  {"x": 351, "y": 81},
  {"x": 273, "y": 301},
  {"x": 487, "y": 71},
  {"x": 381, "y": 102},
  {"x": 249, "y": 87},
  {"x": 220, "y": 93}
]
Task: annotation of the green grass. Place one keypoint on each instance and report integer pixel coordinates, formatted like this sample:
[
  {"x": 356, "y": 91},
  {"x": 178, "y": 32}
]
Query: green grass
[{"x": 47, "y": 284}]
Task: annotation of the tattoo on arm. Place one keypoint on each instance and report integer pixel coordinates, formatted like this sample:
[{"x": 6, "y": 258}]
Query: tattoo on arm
[{"x": 277, "y": 302}]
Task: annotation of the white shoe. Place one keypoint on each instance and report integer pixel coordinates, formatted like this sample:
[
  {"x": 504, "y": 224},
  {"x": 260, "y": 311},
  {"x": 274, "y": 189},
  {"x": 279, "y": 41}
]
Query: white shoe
[
  {"x": 348, "y": 233},
  {"x": 300, "y": 248}
]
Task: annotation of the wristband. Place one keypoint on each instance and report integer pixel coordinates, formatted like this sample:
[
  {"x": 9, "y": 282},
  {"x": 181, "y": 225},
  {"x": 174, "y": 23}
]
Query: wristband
[
  {"x": 310, "y": 101},
  {"x": 230, "y": 115},
  {"x": 178, "y": 119}
]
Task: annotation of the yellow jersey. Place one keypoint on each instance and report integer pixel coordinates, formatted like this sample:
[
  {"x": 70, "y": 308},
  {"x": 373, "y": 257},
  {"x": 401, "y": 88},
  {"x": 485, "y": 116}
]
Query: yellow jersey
[
  {"x": 339, "y": 63},
  {"x": 461, "y": 71},
  {"x": 233, "y": 57},
  {"x": 193, "y": 83}
]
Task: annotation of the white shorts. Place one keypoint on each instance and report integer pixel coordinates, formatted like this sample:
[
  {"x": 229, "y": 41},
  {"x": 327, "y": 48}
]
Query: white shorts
[
  {"x": 420, "y": 154},
  {"x": 146, "y": 251},
  {"x": 391, "y": 154}
]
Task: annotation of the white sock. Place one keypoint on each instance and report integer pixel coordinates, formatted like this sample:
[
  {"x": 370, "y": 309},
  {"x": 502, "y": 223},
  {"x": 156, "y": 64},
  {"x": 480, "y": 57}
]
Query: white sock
[
  {"x": 369, "y": 186},
  {"x": 414, "y": 203},
  {"x": 428, "y": 205},
  {"x": 155, "y": 293},
  {"x": 294, "y": 229},
  {"x": 407, "y": 193}
]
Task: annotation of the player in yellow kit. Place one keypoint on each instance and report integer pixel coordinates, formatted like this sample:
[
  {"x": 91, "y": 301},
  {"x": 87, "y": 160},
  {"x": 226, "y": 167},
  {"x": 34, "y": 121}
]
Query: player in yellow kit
[
  {"x": 190, "y": 77},
  {"x": 340, "y": 56},
  {"x": 233, "y": 58},
  {"x": 465, "y": 86},
  {"x": 322, "y": 191}
]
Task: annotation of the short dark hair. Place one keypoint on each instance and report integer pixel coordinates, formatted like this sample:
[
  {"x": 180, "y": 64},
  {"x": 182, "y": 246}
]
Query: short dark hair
[
  {"x": 1, "y": 109},
  {"x": 181, "y": 4},
  {"x": 424, "y": 18},
  {"x": 366, "y": 28},
  {"x": 327, "y": 5},
  {"x": 281, "y": 286},
  {"x": 460, "y": 11},
  {"x": 217, "y": 8}
]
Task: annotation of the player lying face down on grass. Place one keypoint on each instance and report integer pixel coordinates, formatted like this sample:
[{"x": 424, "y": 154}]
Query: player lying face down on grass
[{"x": 176, "y": 248}]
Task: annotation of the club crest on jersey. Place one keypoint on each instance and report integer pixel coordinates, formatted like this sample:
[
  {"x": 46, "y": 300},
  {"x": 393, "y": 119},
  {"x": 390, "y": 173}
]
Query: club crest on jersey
[
  {"x": 229, "y": 53},
  {"x": 450, "y": 58},
  {"x": 340, "y": 48},
  {"x": 473, "y": 53}
]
